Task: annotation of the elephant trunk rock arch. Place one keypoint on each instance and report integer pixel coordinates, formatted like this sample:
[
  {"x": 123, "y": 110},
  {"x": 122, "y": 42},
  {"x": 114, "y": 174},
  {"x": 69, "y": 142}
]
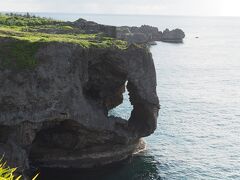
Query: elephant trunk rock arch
[{"x": 56, "y": 115}]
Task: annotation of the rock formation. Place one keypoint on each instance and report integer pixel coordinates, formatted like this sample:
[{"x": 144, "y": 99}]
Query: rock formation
[
  {"x": 91, "y": 27},
  {"x": 56, "y": 114},
  {"x": 148, "y": 34},
  {"x": 174, "y": 36},
  {"x": 143, "y": 34}
]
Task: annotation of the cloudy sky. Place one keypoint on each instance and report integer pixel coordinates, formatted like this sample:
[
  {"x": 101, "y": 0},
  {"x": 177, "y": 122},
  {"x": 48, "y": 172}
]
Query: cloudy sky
[{"x": 162, "y": 7}]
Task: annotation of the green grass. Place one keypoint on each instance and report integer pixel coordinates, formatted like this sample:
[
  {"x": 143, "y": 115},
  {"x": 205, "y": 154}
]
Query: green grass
[
  {"x": 25, "y": 20},
  {"x": 61, "y": 28},
  {"x": 85, "y": 40},
  {"x": 7, "y": 173},
  {"x": 28, "y": 33},
  {"x": 30, "y": 29},
  {"x": 18, "y": 54}
]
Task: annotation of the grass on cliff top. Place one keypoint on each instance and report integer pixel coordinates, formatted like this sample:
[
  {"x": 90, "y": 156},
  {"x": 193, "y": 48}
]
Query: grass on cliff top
[
  {"x": 12, "y": 19},
  {"x": 26, "y": 27},
  {"x": 26, "y": 38},
  {"x": 84, "y": 40}
]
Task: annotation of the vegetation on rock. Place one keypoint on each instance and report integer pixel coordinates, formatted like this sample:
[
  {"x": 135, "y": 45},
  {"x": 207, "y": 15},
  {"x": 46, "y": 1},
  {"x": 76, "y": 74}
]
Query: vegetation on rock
[
  {"x": 18, "y": 54},
  {"x": 25, "y": 20},
  {"x": 25, "y": 34},
  {"x": 7, "y": 173}
]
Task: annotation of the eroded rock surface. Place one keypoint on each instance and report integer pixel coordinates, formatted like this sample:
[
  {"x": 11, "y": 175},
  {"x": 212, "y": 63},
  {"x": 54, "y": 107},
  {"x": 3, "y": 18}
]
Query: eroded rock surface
[
  {"x": 173, "y": 36},
  {"x": 56, "y": 115},
  {"x": 148, "y": 34},
  {"x": 143, "y": 34},
  {"x": 93, "y": 27}
]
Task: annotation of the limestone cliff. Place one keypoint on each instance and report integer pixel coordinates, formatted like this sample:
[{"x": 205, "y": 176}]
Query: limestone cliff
[{"x": 56, "y": 114}]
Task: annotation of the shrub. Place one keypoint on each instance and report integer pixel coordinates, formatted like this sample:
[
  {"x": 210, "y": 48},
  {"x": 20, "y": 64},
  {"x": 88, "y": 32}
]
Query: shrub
[
  {"x": 7, "y": 173},
  {"x": 25, "y": 20}
]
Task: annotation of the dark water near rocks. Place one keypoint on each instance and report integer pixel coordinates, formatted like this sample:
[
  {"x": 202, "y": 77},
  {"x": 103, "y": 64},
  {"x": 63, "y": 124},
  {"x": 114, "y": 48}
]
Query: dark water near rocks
[{"x": 198, "y": 135}]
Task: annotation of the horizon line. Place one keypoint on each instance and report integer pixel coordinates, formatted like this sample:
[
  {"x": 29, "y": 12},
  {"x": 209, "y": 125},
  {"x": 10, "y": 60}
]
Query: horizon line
[{"x": 117, "y": 14}]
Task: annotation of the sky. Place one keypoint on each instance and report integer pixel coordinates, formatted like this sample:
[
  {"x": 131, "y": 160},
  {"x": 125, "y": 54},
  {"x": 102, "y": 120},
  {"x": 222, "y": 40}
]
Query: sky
[{"x": 149, "y": 7}]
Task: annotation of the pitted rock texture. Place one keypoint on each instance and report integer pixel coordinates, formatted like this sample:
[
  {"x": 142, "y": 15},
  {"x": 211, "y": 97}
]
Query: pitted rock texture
[{"x": 56, "y": 115}]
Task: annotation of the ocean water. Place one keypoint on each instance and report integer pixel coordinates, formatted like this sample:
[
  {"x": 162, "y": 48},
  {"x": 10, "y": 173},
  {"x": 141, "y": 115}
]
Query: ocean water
[{"x": 198, "y": 134}]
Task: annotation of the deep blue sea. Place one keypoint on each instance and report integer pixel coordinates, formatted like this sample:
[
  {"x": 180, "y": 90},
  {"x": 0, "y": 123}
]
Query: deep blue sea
[{"x": 198, "y": 135}]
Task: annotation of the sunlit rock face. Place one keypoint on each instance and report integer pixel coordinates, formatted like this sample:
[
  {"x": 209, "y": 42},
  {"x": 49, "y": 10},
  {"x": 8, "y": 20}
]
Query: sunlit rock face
[{"x": 56, "y": 115}]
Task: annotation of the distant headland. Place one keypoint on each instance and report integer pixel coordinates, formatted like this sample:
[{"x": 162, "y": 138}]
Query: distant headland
[{"x": 139, "y": 35}]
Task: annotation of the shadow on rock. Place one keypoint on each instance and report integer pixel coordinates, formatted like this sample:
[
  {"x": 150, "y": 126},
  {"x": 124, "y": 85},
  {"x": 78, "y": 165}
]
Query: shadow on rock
[{"x": 138, "y": 167}]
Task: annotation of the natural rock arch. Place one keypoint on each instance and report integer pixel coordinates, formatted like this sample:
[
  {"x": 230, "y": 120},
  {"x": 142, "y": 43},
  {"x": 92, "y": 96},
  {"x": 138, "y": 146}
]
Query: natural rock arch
[{"x": 68, "y": 97}]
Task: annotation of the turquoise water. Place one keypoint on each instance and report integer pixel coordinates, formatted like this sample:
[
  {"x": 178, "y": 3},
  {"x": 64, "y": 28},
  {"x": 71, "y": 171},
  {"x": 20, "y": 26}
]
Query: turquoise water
[{"x": 198, "y": 135}]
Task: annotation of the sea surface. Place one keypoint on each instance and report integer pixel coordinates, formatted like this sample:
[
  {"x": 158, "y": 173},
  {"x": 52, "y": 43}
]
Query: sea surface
[{"x": 198, "y": 83}]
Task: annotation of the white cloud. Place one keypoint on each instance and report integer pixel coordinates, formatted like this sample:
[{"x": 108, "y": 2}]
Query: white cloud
[{"x": 168, "y": 7}]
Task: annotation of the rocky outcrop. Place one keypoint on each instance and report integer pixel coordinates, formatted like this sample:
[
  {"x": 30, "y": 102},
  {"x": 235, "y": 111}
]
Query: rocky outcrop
[
  {"x": 143, "y": 34},
  {"x": 91, "y": 27},
  {"x": 174, "y": 36},
  {"x": 132, "y": 38},
  {"x": 56, "y": 115},
  {"x": 148, "y": 34}
]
